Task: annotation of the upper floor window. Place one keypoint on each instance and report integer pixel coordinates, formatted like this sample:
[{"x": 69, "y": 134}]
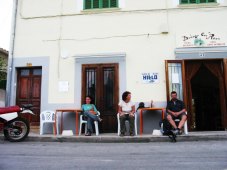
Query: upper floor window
[
  {"x": 97, "y": 4},
  {"x": 196, "y": 1}
]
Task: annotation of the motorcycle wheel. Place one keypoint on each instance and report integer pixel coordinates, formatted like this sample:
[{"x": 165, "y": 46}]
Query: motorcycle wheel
[{"x": 16, "y": 130}]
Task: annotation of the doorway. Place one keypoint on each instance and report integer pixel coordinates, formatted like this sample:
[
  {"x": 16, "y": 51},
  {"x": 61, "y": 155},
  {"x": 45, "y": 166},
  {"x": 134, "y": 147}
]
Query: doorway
[
  {"x": 101, "y": 82},
  {"x": 29, "y": 91},
  {"x": 206, "y": 95}
]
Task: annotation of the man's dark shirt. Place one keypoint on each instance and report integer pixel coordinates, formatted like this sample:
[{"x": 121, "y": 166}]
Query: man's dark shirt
[{"x": 175, "y": 106}]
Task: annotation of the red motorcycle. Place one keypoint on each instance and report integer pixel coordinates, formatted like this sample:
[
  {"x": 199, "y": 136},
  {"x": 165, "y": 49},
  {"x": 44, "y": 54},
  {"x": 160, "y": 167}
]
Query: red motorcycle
[{"x": 15, "y": 128}]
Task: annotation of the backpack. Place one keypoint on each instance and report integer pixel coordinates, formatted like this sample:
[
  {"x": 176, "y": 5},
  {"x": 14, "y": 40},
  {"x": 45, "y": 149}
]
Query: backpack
[
  {"x": 141, "y": 105},
  {"x": 166, "y": 129}
]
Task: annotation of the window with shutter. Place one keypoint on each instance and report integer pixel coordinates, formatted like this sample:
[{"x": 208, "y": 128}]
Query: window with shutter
[
  {"x": 94, "y": 4},
  {"x": 87, "y": 4},
  {"x": 105, "y": 4},
  {"x": 113, "y": 3},
  {"x": 196, "y": 1}
]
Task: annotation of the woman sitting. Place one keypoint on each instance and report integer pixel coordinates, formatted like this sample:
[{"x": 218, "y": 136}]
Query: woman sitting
[
  {"x": 90, "y": 111},
  {"x": 126, "y": 110}
]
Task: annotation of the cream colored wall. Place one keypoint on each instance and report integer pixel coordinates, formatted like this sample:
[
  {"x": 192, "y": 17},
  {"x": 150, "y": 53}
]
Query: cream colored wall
[
  {"x": 137, "y": 33},
  {"x": 30, "y": 8}
]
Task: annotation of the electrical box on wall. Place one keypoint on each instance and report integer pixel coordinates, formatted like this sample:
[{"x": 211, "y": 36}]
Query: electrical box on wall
[{"x": 164, "y": 29}]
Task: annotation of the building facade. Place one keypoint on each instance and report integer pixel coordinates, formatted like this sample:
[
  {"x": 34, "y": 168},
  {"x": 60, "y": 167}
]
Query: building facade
[
  {"x": 64, "y": 50},
  {"x": 3, "y": 75}
]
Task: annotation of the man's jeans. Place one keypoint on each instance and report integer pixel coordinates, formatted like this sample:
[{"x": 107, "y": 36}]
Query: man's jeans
[{"x": 90, "y": 120}]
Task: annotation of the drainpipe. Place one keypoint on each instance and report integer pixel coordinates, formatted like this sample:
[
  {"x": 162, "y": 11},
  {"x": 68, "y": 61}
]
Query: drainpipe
[{"x": 11, "y": 55}]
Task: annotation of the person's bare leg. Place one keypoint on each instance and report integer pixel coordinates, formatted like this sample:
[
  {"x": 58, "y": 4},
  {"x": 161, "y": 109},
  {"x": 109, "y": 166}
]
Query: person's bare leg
[
  {"x": 171, "y": 121},
  {"x": 181, "y": 123}
]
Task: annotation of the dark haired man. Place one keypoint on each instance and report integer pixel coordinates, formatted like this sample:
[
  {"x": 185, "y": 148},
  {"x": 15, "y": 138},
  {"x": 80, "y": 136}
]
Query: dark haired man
[{"x": 176, "y": 110}]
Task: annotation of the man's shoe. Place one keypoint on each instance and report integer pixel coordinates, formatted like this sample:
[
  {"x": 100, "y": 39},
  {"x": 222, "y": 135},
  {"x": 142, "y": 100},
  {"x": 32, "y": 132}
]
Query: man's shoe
[
  {"x": 180, "y": 132},
  {"x": 176, "y": 131},
  {"x": 131, "y": 134}
]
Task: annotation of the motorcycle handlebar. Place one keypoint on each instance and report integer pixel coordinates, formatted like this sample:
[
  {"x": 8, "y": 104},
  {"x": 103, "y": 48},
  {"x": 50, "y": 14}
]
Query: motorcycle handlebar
[{"x": 27, "y": 106}]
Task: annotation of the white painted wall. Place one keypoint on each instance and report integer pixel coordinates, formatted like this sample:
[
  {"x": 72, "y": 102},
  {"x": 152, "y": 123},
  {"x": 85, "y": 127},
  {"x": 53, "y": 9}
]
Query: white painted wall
[{"x": 135, "y": 29}]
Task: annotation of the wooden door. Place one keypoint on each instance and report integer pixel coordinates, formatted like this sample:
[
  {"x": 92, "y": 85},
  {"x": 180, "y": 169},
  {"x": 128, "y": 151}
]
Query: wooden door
[
  {"x": 100, "y": 81},
  {"x": 29, "y": 90}
]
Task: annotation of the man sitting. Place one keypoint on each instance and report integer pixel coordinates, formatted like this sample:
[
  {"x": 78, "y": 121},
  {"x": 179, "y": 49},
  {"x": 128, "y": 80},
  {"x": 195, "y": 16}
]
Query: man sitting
[{"x": 176, "y": 110}]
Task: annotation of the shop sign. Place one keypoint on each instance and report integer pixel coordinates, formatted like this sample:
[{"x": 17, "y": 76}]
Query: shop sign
[
  {"x": 202, "y": 39},
  {"x": 150, "y": 78}
]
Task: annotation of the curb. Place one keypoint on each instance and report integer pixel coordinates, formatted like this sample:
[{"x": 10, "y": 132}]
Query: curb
[{"x": 125, "y": 139}]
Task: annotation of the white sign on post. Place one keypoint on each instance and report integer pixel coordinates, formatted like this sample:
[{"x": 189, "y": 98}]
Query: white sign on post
[{"x": 150, "y": 78}]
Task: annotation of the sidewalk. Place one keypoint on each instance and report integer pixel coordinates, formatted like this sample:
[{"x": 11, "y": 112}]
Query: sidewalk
[{"x": 113, "y": 138}]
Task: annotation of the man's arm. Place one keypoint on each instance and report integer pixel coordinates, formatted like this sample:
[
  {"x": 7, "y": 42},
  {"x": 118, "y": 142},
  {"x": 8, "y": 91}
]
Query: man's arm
[
  {"x": 171, "y": 112},
  {"x": 182, "y": 111},
  {"x": 176, "y": 113}
]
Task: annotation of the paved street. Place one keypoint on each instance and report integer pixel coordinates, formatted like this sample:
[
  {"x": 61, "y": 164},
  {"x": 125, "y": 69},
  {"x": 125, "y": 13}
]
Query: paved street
[{"x": 58, "y": 156}]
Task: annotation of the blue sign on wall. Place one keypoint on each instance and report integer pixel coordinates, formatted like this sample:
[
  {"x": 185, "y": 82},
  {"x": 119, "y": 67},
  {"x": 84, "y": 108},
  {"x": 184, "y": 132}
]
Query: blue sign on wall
[{"x": 150, "y": 78}]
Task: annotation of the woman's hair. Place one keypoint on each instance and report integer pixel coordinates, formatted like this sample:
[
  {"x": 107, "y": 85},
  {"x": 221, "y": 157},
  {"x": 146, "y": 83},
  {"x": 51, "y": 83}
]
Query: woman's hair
[
  {"x": 90, "y": 98},
  {"x": 125, "y": 94}
]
